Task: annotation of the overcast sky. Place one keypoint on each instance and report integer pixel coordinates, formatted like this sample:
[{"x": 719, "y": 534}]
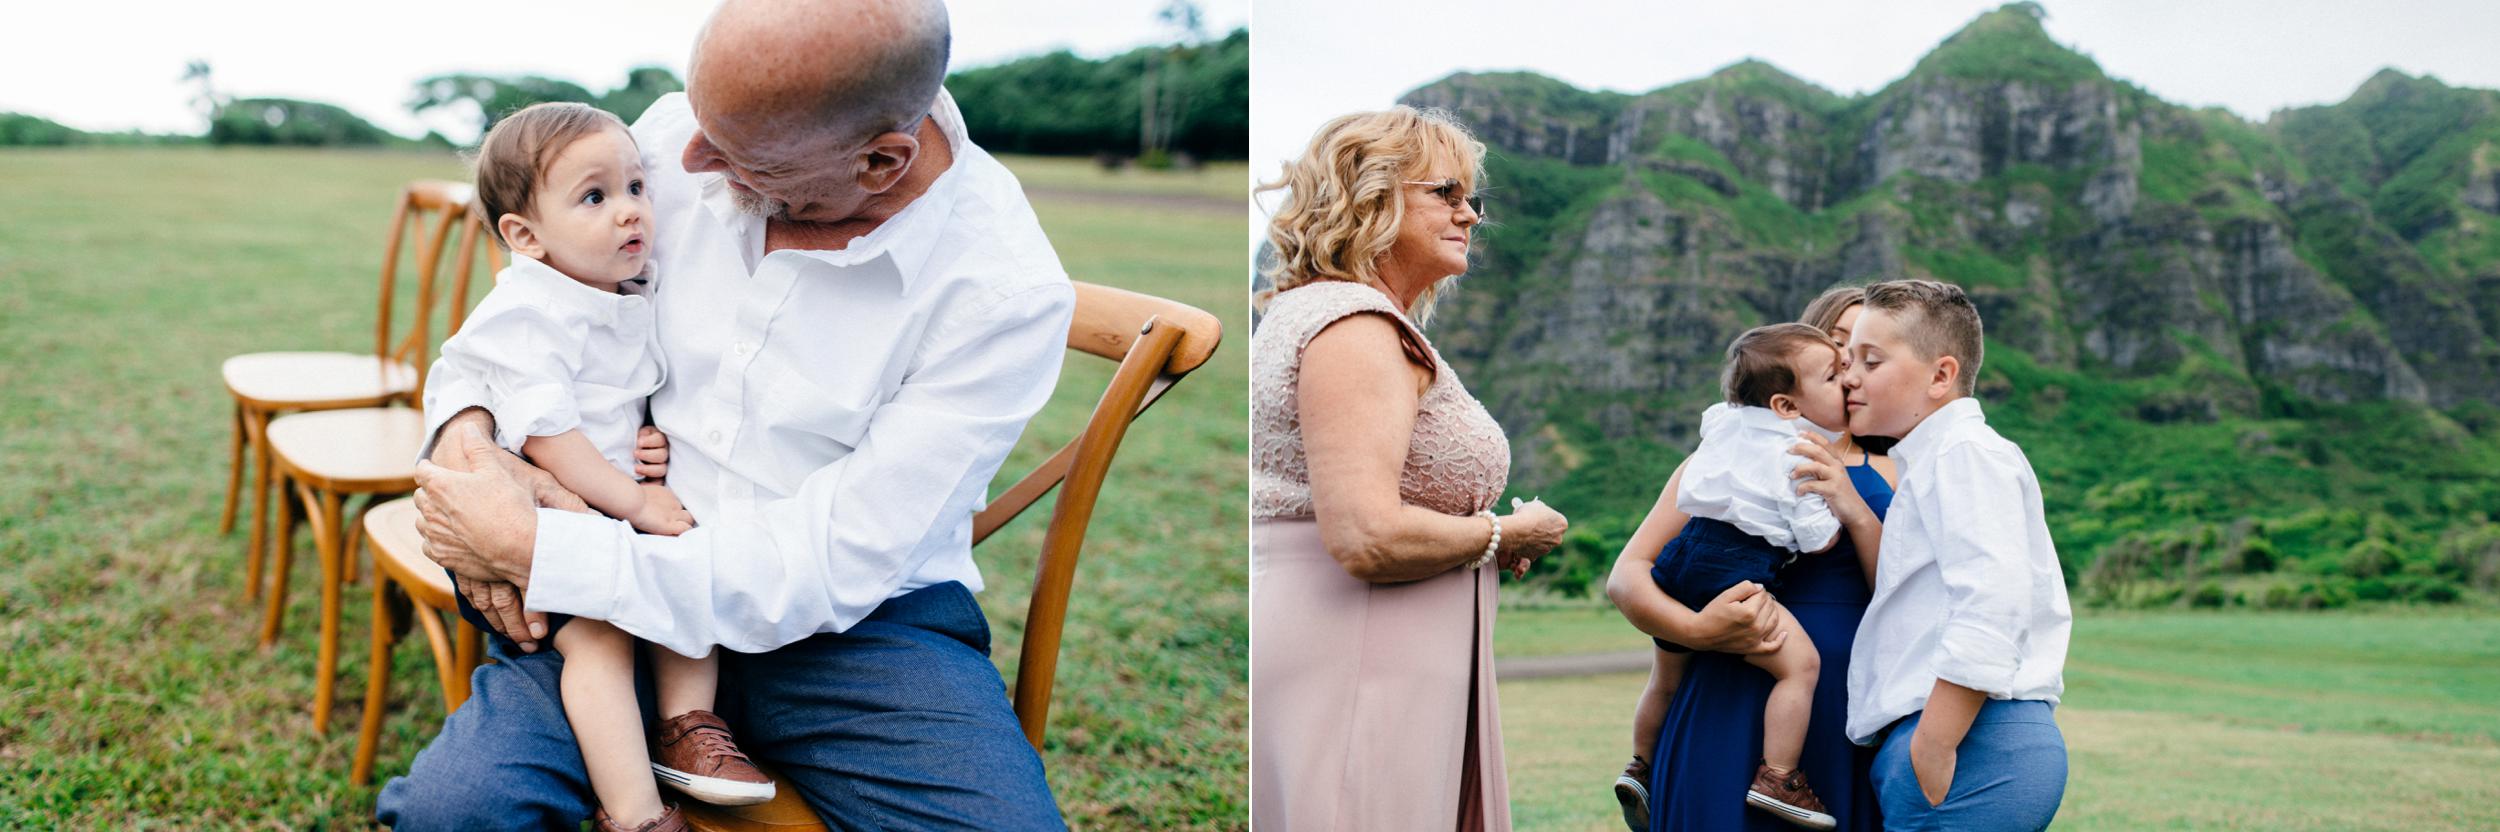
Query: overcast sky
[
  {"x": 1316, "y": 59},
  {"x": 117, "y": 65}
]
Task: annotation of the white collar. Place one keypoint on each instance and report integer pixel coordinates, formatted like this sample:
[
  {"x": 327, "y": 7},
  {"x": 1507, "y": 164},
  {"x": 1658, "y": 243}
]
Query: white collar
[
  {"x": 907, "y": 238},
  {"x": 1763, "y": 419},
  {"x": 564, "y": 289},
  {"x": 1931, "y": 431}
]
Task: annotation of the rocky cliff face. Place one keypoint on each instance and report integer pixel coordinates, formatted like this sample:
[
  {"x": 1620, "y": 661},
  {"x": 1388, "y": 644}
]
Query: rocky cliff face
[{"x": 2333, "y": 255}]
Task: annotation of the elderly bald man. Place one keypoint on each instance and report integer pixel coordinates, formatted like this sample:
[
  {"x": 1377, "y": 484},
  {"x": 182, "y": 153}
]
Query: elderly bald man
[{"x": 859, "y": 313}]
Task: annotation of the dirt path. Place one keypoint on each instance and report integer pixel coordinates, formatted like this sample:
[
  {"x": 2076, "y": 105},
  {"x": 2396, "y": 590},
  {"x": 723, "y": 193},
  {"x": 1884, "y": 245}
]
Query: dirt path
[
  {"x": 1192, "y": 203},
  {"x": 1576, "y": 664}
]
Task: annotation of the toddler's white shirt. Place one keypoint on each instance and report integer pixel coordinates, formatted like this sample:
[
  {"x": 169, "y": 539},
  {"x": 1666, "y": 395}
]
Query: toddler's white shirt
[
  {"x": 1739, "y": 476},
  {"x": 551, "y": 355}
]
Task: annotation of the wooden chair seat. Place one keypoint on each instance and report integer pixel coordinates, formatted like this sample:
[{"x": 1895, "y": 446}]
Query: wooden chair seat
[
  {"x": 364, "y": 450},
  {"x": 786, "y": 812},
  {"x": 399, "y": 555},
  {"x": 317, "y": 380}
]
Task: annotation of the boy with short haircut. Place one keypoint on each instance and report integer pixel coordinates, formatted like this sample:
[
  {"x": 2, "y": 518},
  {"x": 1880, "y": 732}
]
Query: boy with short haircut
[{"x": 1959, "y": 661}]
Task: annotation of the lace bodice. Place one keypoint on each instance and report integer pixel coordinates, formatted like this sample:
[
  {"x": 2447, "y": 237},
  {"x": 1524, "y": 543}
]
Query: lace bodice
[{"x": 1457, "y": 460}]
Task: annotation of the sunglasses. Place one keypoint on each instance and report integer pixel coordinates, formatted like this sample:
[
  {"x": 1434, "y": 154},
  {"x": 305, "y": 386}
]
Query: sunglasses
[{"x": 1449, "y": 190}]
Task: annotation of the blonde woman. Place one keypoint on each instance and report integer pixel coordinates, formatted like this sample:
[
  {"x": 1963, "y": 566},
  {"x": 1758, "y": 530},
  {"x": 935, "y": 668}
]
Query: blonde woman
[{"x": 1375, "y": 540}]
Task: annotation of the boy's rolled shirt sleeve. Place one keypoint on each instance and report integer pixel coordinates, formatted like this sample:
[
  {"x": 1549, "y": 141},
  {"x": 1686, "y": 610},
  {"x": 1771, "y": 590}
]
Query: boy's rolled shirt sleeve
[
  {"x": 855, "y": 532},
  {"x": 1986, "y": 572}
]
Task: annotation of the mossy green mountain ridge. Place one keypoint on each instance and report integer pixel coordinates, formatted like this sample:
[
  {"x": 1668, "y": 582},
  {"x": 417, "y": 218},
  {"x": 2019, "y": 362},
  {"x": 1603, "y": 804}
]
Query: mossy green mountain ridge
[{"x": 2201, "y": 329}]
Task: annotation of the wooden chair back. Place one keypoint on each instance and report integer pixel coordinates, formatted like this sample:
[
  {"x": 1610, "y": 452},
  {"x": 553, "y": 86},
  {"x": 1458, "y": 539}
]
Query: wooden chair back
[
  {"x": 430, "y": 209},
  {"x": 1156, "y": 342}
]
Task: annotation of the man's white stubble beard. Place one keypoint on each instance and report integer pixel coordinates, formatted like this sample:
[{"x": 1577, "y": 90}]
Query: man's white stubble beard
[{"x": 759, "y": 205}]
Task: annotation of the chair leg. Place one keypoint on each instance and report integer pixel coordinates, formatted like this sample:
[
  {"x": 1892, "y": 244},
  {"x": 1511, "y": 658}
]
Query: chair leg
[
  {"x": 355, "y": 529},
  {"x": 467, "y": 645},
  {"x": 256, "y": 425},
  {"x": 327, "y": 537},
  {"x": 455, "y": 683},
  {"x": 377, "y": 682},
  {"x": 283, "y": 558},
  {"x": 234, "y": 475}
]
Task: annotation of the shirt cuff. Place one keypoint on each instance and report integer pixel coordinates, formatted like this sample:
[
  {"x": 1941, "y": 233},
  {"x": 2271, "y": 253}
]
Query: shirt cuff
[
  {"x": 1978, "y": 658},
  {"x": 577, "y": 565}
]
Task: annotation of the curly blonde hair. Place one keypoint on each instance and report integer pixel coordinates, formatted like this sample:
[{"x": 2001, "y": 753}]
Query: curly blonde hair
[{"x": 1343, "y": 198}]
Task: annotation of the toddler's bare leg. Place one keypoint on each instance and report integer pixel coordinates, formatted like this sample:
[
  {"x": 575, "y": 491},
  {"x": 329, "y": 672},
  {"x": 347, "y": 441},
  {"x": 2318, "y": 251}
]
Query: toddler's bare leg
[
  {"x": 607, "y": 721},
  {"x": 1796, "y": 665},
  {"x": 685, "y": 684},
  {"x": 1666, "y": 673}
]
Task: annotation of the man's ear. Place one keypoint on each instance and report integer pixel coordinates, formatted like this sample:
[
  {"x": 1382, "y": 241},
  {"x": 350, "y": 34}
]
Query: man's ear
[
  {"x": 1947, "y": 382},
  {"x": 518, "y": 236},
  {"x": 886, "y": 158}
]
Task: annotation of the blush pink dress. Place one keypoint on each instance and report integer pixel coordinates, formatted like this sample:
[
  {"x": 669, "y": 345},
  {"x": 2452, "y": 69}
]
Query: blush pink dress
[{"x": 1372, "y": 706}]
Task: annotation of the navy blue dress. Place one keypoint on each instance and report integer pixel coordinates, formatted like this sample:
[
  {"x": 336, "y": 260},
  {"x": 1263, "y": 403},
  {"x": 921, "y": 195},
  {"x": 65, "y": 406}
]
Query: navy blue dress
[{"x": 1713, "y": 734}]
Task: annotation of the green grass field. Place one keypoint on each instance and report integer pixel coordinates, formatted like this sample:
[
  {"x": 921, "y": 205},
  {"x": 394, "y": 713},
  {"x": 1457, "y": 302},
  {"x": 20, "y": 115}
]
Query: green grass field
[
  {"x": 132, "y": 695},
  {"x": 2382, "y": 719}
]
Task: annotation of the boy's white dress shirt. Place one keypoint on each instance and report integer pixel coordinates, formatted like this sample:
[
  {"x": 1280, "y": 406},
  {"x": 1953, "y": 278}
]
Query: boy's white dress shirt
[{"x": 1967, "y": 587}]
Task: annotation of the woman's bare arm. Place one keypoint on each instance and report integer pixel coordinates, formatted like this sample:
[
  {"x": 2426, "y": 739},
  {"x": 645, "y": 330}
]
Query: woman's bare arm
[
  {"x": 1358, "y": 396},
  {"x": 1740, "y": 620}
]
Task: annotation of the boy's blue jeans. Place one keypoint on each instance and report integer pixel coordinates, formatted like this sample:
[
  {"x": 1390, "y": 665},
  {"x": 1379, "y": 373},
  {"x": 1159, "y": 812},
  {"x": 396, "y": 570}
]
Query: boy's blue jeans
[
  {"x": 900, "y": 722},
  {"x": 2009, "y": 773}
]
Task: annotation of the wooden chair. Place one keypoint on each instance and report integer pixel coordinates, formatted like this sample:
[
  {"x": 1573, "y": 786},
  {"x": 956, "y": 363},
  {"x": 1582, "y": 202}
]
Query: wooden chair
[
  {"x": 406, "y": 583},
  {"x": 266, "y": 384},
  {"x": 1156, "y": 343},
  {"x": 329, "y": 456}
]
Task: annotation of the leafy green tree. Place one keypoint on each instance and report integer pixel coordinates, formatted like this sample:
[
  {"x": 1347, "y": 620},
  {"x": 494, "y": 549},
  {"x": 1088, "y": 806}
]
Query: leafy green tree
[
  {"x": 498, "y": 96},
  {"x": 285, "y": 121}
]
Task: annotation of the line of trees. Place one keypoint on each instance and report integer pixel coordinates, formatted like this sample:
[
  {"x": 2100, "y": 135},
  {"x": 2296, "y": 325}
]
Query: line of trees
[
  {"x": 1061, "y": 104},
  {"x": 1159, "y": 104}
]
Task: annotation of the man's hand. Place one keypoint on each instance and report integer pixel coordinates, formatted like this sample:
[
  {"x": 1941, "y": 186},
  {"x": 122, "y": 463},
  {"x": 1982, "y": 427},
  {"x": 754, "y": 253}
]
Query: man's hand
[
  {"x": 450, "y": 453},
  {"x": 651, "y": 454},
  {"x": 501, "y": 604},
  {"x": 481, "y": 524}
]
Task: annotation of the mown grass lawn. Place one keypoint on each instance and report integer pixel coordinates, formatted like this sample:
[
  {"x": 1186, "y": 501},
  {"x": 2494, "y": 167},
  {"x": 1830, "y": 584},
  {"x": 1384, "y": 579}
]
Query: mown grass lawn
[
  {"x": 2374, "y": 719},
  {"x": 132, "y": 695}
]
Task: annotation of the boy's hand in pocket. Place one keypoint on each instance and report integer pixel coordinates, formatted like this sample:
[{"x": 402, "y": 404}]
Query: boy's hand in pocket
[{"x": 1933, "y": 767}]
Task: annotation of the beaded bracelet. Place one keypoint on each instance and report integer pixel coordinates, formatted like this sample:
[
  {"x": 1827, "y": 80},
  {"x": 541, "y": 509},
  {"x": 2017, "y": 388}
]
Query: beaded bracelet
[{"x": 1490, "y": 546}]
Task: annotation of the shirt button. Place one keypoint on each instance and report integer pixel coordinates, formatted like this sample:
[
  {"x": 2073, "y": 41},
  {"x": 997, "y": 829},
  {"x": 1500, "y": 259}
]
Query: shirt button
[
  {"x": 713, "y": 437},
  {"x": 745, "y": 347}
]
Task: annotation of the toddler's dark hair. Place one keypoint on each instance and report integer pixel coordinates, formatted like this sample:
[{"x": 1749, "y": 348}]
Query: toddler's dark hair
[{"x": 1757, "y": 362}]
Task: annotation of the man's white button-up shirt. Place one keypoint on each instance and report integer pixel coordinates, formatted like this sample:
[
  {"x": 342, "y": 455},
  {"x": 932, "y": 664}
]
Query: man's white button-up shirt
[{"x": 834, "y": 417}]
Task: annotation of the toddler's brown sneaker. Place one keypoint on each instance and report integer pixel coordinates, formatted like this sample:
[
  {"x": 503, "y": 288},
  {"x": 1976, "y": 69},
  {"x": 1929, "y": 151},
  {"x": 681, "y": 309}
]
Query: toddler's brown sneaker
[
  {"x": 694, "y": 754},
  {"x": 1632, "y": 790},
  {"x": 1787, "y": 798}
]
